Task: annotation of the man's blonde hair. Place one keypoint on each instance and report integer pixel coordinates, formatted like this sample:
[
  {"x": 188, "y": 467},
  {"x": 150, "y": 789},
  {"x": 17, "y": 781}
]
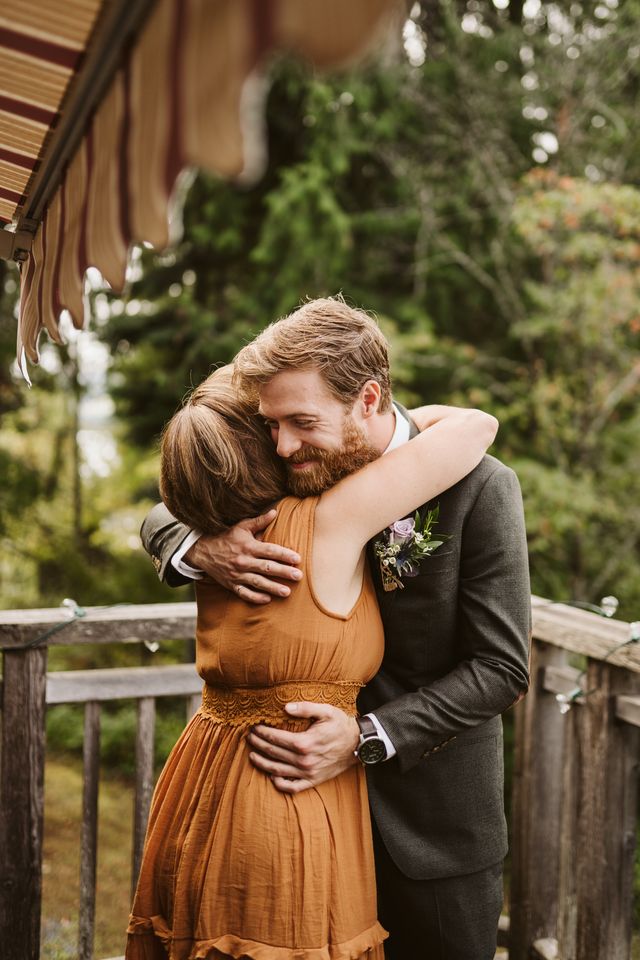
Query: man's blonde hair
[
  {"x": 344, "y": 344},
  {"x": 218, "y": 463}
]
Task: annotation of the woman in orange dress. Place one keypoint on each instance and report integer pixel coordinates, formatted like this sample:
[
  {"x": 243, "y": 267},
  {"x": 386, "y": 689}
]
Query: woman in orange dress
[{"x": 232, "y": 867}]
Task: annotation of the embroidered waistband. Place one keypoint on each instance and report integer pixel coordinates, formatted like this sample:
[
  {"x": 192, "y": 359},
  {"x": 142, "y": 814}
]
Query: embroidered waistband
[{"x": 240, "y": 705}]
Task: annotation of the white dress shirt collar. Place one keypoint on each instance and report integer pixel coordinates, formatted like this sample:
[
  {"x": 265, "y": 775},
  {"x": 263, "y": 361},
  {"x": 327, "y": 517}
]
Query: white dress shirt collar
[{"x": 401, "y": 432}]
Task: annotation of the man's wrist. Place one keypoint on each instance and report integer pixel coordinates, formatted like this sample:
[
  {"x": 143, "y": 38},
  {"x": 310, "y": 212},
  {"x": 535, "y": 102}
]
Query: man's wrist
[
  {"x": 353, "y": 750},
  {"x": 371, "y": 747},
  {"x": 384, "y": 736}
]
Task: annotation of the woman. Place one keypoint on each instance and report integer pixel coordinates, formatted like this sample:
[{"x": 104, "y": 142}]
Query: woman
[{"x": 232, "y": 867}]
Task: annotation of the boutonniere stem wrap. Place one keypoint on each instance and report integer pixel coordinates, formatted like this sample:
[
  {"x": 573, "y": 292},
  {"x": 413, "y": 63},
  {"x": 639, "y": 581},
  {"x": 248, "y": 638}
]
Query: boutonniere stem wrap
[{"x": 403, "y": 546}]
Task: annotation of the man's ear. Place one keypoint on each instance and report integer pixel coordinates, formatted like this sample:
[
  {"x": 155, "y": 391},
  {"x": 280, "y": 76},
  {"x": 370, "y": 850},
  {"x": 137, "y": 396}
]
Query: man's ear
[{"x": 369, "y": 398}]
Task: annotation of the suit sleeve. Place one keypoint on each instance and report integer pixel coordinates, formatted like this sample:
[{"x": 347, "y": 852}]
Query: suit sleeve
[
  {"x": 494, "y": 634},
  {"x": 161, "y": 535}
]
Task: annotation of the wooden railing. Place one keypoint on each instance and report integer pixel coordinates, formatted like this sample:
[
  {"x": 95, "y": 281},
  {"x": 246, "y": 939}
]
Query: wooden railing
[
  {"x": 27, "y": 689},
  {"x": 573, "y": 826},
  {"x": 574, "y": 811}
]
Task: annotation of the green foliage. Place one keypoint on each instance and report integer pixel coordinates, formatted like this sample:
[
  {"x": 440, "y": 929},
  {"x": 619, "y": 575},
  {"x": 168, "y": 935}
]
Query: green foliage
[
  {"x": 65, "y": 724},
  {"x": 582, "y": 336},
  {"x": 481, "y": 200},
  {"x": 21, "y": 486}
]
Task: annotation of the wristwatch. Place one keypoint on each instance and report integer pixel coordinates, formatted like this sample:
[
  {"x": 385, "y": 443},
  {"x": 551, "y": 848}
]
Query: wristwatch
[{"x": 371, "y": 748}]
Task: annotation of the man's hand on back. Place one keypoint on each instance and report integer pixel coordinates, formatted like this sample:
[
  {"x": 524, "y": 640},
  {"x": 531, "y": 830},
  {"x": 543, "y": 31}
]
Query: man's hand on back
[
  {"x": 241, "y": 562},
  {"x": 298, "y": 761}
]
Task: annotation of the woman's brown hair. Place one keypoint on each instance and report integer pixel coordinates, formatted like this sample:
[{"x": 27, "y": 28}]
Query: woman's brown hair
[{"x": 218, "y": 464}]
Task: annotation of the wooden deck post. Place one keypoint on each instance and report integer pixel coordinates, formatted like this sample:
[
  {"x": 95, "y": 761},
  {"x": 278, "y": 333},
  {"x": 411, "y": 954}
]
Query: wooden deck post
[
  {"x": 537, "y": 810},
  {"x": 22, "y": 802},
  {"x": 145, "y": 737},
  {"x": 607, "y": 811},
  {"x": 566, "y": 924},
  {"x": 89, "y": 833}
]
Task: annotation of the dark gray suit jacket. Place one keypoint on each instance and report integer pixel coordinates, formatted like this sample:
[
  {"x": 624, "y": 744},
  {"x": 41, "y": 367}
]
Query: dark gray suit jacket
[{"x": 456, "y": 657}]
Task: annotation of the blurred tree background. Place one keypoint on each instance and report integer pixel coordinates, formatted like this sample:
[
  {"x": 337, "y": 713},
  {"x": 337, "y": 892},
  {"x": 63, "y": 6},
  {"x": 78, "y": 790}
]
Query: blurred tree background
[{"x": 477, "y": 186}]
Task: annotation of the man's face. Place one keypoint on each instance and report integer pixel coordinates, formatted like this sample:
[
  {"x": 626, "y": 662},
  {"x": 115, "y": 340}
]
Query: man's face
[{"x": 319, "y": 439}]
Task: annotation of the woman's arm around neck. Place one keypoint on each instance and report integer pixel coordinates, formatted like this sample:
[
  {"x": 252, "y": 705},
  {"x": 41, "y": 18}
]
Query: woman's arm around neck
[{"x": 451, "y": 444}]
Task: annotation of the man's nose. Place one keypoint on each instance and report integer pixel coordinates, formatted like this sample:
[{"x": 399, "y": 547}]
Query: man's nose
[{"x": 287, "y": 443}]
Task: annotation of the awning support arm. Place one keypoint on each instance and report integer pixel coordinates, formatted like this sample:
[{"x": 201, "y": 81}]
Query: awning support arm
[{"x": 16, "y": 244}]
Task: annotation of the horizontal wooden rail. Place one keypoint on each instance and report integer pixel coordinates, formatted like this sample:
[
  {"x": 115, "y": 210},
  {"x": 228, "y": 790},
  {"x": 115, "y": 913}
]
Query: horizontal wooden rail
[
  {"x": 560, "y": 625},
  {"x": 584, "y": 633},
  {"x": 628, "y": 709},
  {"x": 123, "y": 623},
  {"x": 122, "y": 683},
  {"x": 546, "y": 949},
  {"x": 565, "y": 679}
]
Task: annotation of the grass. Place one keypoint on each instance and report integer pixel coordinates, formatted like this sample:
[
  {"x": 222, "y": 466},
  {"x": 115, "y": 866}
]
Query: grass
[{"x": 61, "y": 871}]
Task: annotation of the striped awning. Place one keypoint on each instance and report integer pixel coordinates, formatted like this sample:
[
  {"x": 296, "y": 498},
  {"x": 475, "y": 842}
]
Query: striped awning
[
  {"x": 104, "y": 102},
  {"x": 41, "y": 46}
]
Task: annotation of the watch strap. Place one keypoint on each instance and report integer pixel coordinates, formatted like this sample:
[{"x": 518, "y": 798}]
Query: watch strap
[{"x": 367, "y": 727}]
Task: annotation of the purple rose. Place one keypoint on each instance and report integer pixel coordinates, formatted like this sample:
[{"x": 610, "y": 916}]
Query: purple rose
[{"x": 401, "y": 531}]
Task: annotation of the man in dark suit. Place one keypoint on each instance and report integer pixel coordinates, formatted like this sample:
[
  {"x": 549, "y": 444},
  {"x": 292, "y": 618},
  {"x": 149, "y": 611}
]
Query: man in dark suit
[{"x": 430, "y": 734}]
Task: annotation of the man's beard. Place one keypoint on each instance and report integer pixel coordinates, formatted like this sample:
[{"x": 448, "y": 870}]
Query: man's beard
[{"x": 329, "y": 466}]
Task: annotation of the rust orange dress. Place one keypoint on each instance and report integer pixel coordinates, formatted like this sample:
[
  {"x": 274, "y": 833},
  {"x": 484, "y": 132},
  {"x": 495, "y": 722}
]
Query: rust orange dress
[{"x": 232, "y": 867}]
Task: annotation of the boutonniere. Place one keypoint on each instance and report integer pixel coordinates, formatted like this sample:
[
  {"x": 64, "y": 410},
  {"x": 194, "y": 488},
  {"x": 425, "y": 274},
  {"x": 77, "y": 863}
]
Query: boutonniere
[{"x": 402, "y": 547}]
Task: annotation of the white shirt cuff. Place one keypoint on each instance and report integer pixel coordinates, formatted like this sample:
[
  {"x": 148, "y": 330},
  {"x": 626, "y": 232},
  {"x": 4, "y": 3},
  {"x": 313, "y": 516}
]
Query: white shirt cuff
[
  {"x": 178, "y": 563},
  {"x": 391, "y": 750}
]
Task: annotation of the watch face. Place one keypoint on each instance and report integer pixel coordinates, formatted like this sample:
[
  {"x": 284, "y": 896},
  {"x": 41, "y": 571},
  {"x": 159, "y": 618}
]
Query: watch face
[{"x": 372, "y": 750}]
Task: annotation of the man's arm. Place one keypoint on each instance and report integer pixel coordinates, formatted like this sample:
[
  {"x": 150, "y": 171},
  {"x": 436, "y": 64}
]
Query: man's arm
[
  {"x": 236, "y": 559},
  {"x": 495, "y": 611},
  {"x": 161, "y": 536}
]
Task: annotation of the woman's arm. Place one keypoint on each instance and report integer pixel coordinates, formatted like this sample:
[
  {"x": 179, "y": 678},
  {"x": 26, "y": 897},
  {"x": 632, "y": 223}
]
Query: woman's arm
[
  {"x": 429, "y": 414},
  {"x": 452, "y": 443}
]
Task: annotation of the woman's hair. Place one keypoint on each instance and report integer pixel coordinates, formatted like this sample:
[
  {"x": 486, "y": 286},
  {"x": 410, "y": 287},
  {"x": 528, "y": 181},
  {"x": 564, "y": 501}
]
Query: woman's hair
[
  {"x": 218, "y": 463},
  {"x": 344, "y": 344}
]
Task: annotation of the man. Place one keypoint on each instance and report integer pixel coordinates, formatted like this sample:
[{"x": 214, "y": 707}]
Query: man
[{"x": 456, "y": 638}]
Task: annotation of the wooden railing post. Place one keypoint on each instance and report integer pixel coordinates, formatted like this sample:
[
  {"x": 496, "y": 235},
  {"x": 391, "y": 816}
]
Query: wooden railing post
[
  {"x": 89, "y": 833},
  {"x": 22, "y": 802},
  {"x": 145, "y": 738},
  {"x": 536, "y": 810},
  {"x": 566, "y": 922},
  {"x": 607, "y": 816}
]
